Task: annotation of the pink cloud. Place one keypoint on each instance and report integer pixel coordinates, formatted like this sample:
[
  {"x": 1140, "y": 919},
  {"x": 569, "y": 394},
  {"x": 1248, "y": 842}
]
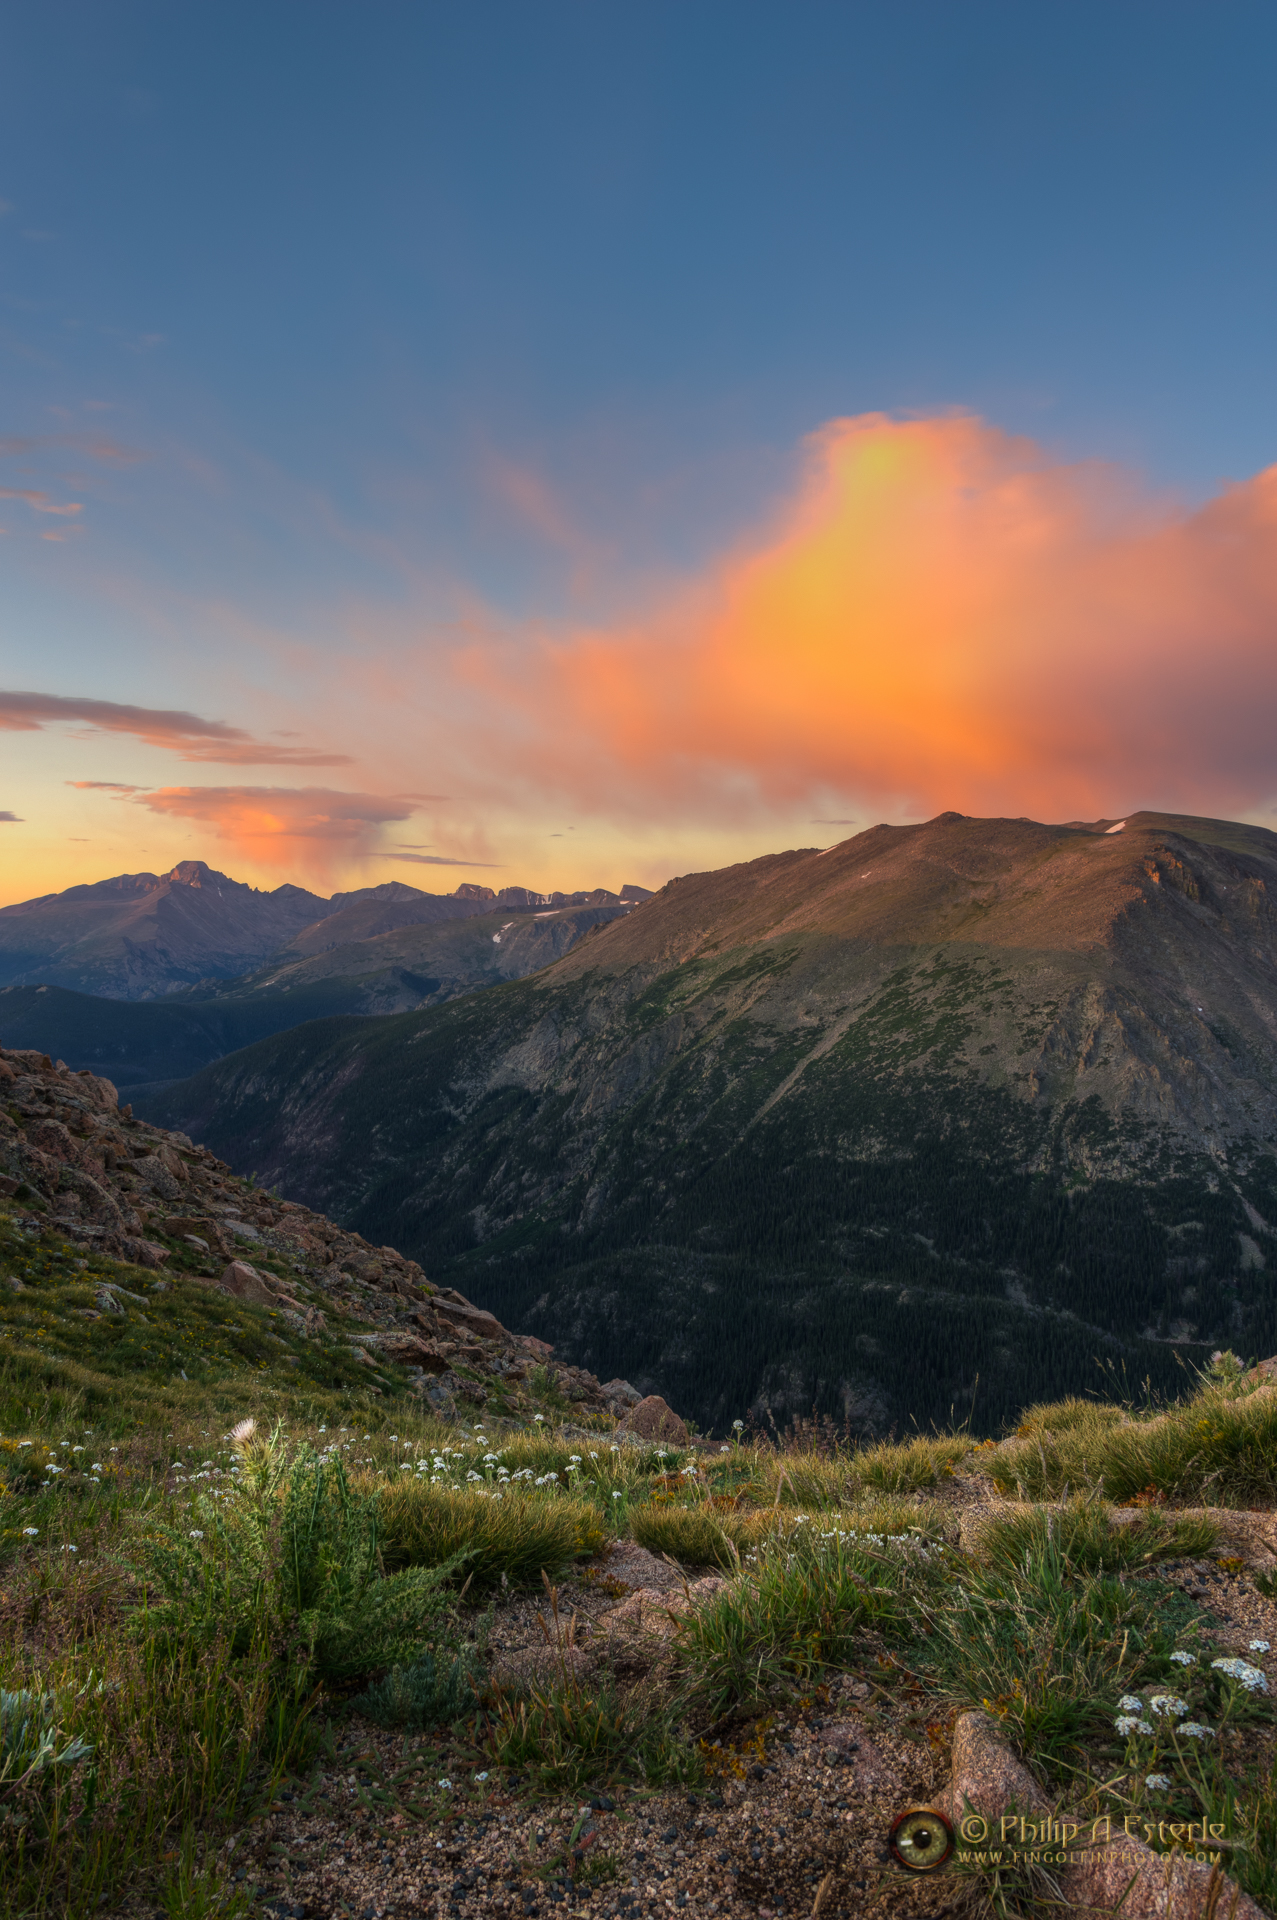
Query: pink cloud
[{"x": 284, "y": 826}]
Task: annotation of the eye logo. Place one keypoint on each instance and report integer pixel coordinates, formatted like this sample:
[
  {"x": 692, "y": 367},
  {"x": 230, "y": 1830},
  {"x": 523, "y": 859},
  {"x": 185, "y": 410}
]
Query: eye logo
[{"x": 921, "y": 1839}]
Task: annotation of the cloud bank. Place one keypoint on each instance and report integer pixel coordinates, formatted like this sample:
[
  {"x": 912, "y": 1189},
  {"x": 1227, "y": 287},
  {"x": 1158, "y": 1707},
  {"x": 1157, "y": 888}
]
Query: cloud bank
[{"x": 941, "y": 616}]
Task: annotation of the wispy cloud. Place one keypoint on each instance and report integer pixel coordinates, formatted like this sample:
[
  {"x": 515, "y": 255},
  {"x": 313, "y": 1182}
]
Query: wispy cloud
[
  {"x": 105, "y": 786},
  {"x": 39, "y": 501},
  {"x": 11, "y": 819},
  {"x": 186, "y": 734},
  {"x": 440, "y": 860}
]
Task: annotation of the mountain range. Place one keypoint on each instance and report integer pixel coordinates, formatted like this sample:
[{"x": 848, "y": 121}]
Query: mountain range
[
  {"x": 141, "y": 935},
  {"x": 937, "y": 1118}
]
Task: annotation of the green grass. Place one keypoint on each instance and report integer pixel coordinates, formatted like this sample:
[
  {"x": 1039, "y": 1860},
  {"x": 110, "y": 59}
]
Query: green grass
[
  {"x": 839, "y": 1479},
  {"x": 568, "y": 1737},
  {"x": 177, "y": 1677},
  {"x": 509, "y": 1538},
  {"x": 1217, "y": 1447},
  {"x": 1088, "y": 1541},
  {"x": 796, "y": 1609},
  {"x": 706, "y": 1535}
]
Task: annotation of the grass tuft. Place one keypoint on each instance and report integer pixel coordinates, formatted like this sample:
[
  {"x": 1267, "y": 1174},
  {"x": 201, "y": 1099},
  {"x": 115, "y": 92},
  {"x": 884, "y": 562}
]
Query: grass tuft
[{"x": 512, "y": 1534}]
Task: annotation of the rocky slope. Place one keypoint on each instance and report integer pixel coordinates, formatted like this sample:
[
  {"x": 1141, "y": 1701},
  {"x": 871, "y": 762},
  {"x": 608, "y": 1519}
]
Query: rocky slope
[
  {"x": 933, "y": 1117},
  {"x": 74, "y": 1162}
]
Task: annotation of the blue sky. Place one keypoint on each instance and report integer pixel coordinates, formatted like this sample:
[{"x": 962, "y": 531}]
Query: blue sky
[{"x": 348, "y": 329}]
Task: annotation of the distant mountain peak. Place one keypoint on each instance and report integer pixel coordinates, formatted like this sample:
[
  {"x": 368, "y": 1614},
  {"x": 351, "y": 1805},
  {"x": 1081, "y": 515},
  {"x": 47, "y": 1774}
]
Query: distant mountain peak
[{"x": 198, "y": 873}]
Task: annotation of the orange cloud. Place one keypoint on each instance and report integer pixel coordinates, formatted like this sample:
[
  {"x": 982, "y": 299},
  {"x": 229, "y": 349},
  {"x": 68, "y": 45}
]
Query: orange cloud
[
  {"x": 943, "y": 616},
  {"x": 284, "y": 826},
  {"x": 185, "y": 734}
]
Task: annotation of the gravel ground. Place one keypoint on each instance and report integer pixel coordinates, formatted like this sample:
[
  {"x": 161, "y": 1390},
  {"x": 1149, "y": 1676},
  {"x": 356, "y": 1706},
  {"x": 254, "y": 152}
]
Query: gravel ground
[
  {"x": 812, "y": 1813},
  {"x": 794, "y": 1823}
]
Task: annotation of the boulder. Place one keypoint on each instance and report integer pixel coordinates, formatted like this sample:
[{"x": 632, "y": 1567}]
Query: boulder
[
  {"x": 987, "y": 1777},
  {"x": 144, "y": 1253},
  {"x": 247, "y": 1284},
  {"x": 473, "y": 1319},
  {"x": 652, "y": 1419},
  {"x": 410, "y": 1350},
  {"x": 151, "y": 1169},
  {"x": 620, "y": 1393}
]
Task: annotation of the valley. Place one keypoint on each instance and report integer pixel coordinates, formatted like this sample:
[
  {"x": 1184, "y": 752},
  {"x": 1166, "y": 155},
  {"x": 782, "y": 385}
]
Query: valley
[{"x": 914, "y": 1128}]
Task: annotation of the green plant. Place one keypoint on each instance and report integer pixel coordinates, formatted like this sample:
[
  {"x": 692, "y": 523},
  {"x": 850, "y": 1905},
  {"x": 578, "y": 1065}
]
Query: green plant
[
  {"x": 793, "y": 1611},
  {"x": 1045, "y": 1646},
  {"x": 434, "y": 1690},
  {"x": 195, "y": 1890},
  {"x": 507, "y": 1534},
  {"x": 1085, "y": 1537},
  {"x": 1218, "y": 1446},
  {"x": 567, "y": 1735},
  {"x": 696, "y": 1536},
  {"x": 32, "y": 1742},
  {"x": 292, "y": 1549}
]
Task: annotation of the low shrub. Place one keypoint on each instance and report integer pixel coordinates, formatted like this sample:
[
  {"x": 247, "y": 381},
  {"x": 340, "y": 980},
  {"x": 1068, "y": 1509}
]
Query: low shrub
[
  {"x": 436, "y": 1689},
  {"x": 497, "y": 1532}
]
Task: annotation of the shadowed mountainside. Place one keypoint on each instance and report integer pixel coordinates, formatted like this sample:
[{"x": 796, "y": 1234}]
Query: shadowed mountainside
[
  {"x": 142, "y": 1044},
  {"x": 937, "y": 1115}
]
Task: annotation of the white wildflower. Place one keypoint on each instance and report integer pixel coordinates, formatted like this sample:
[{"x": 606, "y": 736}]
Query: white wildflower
[
  {"x": 1252, "y": 1678},
  {"x": 243, "y": 1433},
  {"x": 1166, "y": 1705},
  {"x": 1157, "y": 1782},
  {"x": 195, "y": 1534},
  {"x": 1196, "y": 1731},
  {"x": 1182, "y": 1659},
  {"x": 1131, "y": 1703},
  {"x": 1259, "y": 1646},
  {"x": 445, "y": 1784},
  {"x": 31, "y": 1532}
]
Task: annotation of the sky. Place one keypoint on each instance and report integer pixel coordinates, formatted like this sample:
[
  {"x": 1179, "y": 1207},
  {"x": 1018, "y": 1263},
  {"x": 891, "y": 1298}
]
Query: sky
[{"x": 565, "y": 444}]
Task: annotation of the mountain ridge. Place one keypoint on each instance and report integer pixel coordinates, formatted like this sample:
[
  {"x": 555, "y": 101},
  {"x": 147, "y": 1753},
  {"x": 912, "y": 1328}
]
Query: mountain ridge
[
  {"x": 751, "y": 1137},
  {"x": 141, "y": 936}
]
